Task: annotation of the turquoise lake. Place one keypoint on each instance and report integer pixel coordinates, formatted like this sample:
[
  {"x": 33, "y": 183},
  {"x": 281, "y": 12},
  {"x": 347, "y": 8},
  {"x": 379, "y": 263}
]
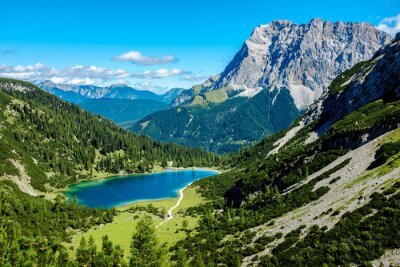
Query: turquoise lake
[{"x": 119, "y": 190}]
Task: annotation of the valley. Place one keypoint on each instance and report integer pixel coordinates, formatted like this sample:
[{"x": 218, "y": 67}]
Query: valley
[
  {"x": 158, "y": 185},
  {"x": 124, "y": 223},
  {"x": 122, "y": 104},
  {"x": 284, "y": 151}
]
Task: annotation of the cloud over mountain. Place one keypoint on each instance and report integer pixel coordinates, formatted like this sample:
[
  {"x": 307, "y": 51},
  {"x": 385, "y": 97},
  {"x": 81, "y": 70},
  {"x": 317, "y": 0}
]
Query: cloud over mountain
[
  {"x": 135, "y": 57},
  {"x": 81, "y": 74},
  {"x": 391, "y": 25}
]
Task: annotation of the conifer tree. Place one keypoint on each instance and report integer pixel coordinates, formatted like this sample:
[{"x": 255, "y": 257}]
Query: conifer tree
[{"x": 145, "y": 250}]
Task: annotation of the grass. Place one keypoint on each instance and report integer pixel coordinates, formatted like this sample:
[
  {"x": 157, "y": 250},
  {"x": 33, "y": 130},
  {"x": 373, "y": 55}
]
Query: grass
[
  {"x": 213, "y": 96},
  {"x": 198, "y": 100},
  {"x": 216, "y": 96},
  {"x": 391, "y": 164},
  {"x": 339, "y": 85},
  {"x": 120, "y": 231},
  {"x": 391, "y": 137}
]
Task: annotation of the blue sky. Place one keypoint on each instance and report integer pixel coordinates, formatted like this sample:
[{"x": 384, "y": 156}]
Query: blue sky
[{"x": 180, "y": 43}]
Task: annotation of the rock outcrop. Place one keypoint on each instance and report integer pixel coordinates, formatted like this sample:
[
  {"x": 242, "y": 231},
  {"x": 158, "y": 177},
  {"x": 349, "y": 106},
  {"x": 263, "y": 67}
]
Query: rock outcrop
[{"x": 304, "y": 58}]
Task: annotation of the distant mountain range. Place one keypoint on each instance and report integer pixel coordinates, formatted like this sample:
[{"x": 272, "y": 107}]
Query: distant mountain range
[
  {"x": 279, "y": 71},
  {"x": 119, "y": 103}
]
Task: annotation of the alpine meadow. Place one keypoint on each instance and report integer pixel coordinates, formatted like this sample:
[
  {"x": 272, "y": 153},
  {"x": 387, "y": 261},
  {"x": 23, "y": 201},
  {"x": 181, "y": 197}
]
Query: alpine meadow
[{"x": 212, "y": 133}]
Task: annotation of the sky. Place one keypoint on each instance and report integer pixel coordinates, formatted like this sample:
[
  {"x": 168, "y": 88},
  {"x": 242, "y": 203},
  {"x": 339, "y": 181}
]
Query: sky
[{"x": 153, "y": 45}]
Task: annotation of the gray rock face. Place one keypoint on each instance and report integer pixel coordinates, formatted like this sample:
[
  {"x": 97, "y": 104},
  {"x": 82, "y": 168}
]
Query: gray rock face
[
  {"x": 304, "y": 58},
  {"x": 378, "y": 78}
]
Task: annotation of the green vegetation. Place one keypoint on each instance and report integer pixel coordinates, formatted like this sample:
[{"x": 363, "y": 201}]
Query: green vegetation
[
  {"x": 40, "y": 217},
  {"x": 53, "y": 143},
  {"x": 149, "y": 208},
  {"x": 47, "y": 143},
  {"x": 374, "y": 119},
  {"x": 31, "y": 228},
  {"x": 59, "y": 144},
  {"x": 385, "y": 152},
  {"x": 38, "y": 242},
  {"x": 145, "y": 250},
  {"x": 222, "y": 126},
  {"x": 338, "y": 85},
  {"x": 125, "y": 221},
  {"x": 88, "y": 255},
  {"x": 251, "y": 194},
  {"x": 334, "y": 180},
  {"x": 122, "y": 111},
  {"x": 359, "y": 237},
  {"x": 216, "y": 96},
  {"x": 256, "y": 211}
]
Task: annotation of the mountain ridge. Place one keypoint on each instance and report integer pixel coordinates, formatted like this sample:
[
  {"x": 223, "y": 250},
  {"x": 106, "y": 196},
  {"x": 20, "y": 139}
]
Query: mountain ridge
[
  {"x": 277, "y": 52},
  {"x": 300, "y": 199},
  {"x": 120, "y": 103},
  {"x": 281, "y": 55},
  {"x": 117, "y": 91}
]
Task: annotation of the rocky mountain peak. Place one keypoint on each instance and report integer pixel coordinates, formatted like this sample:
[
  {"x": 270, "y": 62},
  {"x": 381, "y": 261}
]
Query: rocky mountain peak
[
  {"x": 368, "y": 81},
  {"x": 316, "y": 22},
  {"x": 304, "y": 58}
]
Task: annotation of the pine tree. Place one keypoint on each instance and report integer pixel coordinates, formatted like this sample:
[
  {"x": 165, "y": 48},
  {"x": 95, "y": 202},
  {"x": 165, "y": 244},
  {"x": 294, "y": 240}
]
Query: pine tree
[
  {"x": 92, "y": 248},
  {"x": 82, "y": 256},
  {"x": 145, "y": 250},
  {"x": 62, "y": 259},
  {"x": 185, "y": 225},
  {"x": 198, "y": 260},
  {"x": 181, "y": 257}
]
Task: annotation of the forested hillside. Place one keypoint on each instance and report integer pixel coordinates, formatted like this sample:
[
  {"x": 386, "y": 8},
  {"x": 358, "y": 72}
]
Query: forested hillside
[
  {"x": 46, "y": 144},
  {"x": 49, "y": 143},
  {"x": 221, "y": 127},
  {"x": 323, "y": 192},
  {"x": 123, "y": 112},
  {"x": 278, "y": 72}
]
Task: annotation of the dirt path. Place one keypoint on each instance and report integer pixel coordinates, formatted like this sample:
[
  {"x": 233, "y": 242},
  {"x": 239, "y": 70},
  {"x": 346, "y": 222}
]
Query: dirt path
[{"x": 169, "y": 214}]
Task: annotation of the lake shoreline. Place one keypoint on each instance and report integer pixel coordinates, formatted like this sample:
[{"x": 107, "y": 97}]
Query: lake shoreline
[
  {"x": 107, "y": 176},
  {"x": 69, "y": 191}
]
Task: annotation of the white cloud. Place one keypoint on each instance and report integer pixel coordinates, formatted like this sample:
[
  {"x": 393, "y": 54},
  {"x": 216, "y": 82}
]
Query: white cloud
[
  {"x": 81, "y": 74},
  {"x": 94, "y": 72},
  {"x": 22, "y": 72},
  {"x": 135, "y": 57},
  {"x": 160, "y": 73},
  {"x": 78, "y": 74},
  {"x": 391, "y": 25}
]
